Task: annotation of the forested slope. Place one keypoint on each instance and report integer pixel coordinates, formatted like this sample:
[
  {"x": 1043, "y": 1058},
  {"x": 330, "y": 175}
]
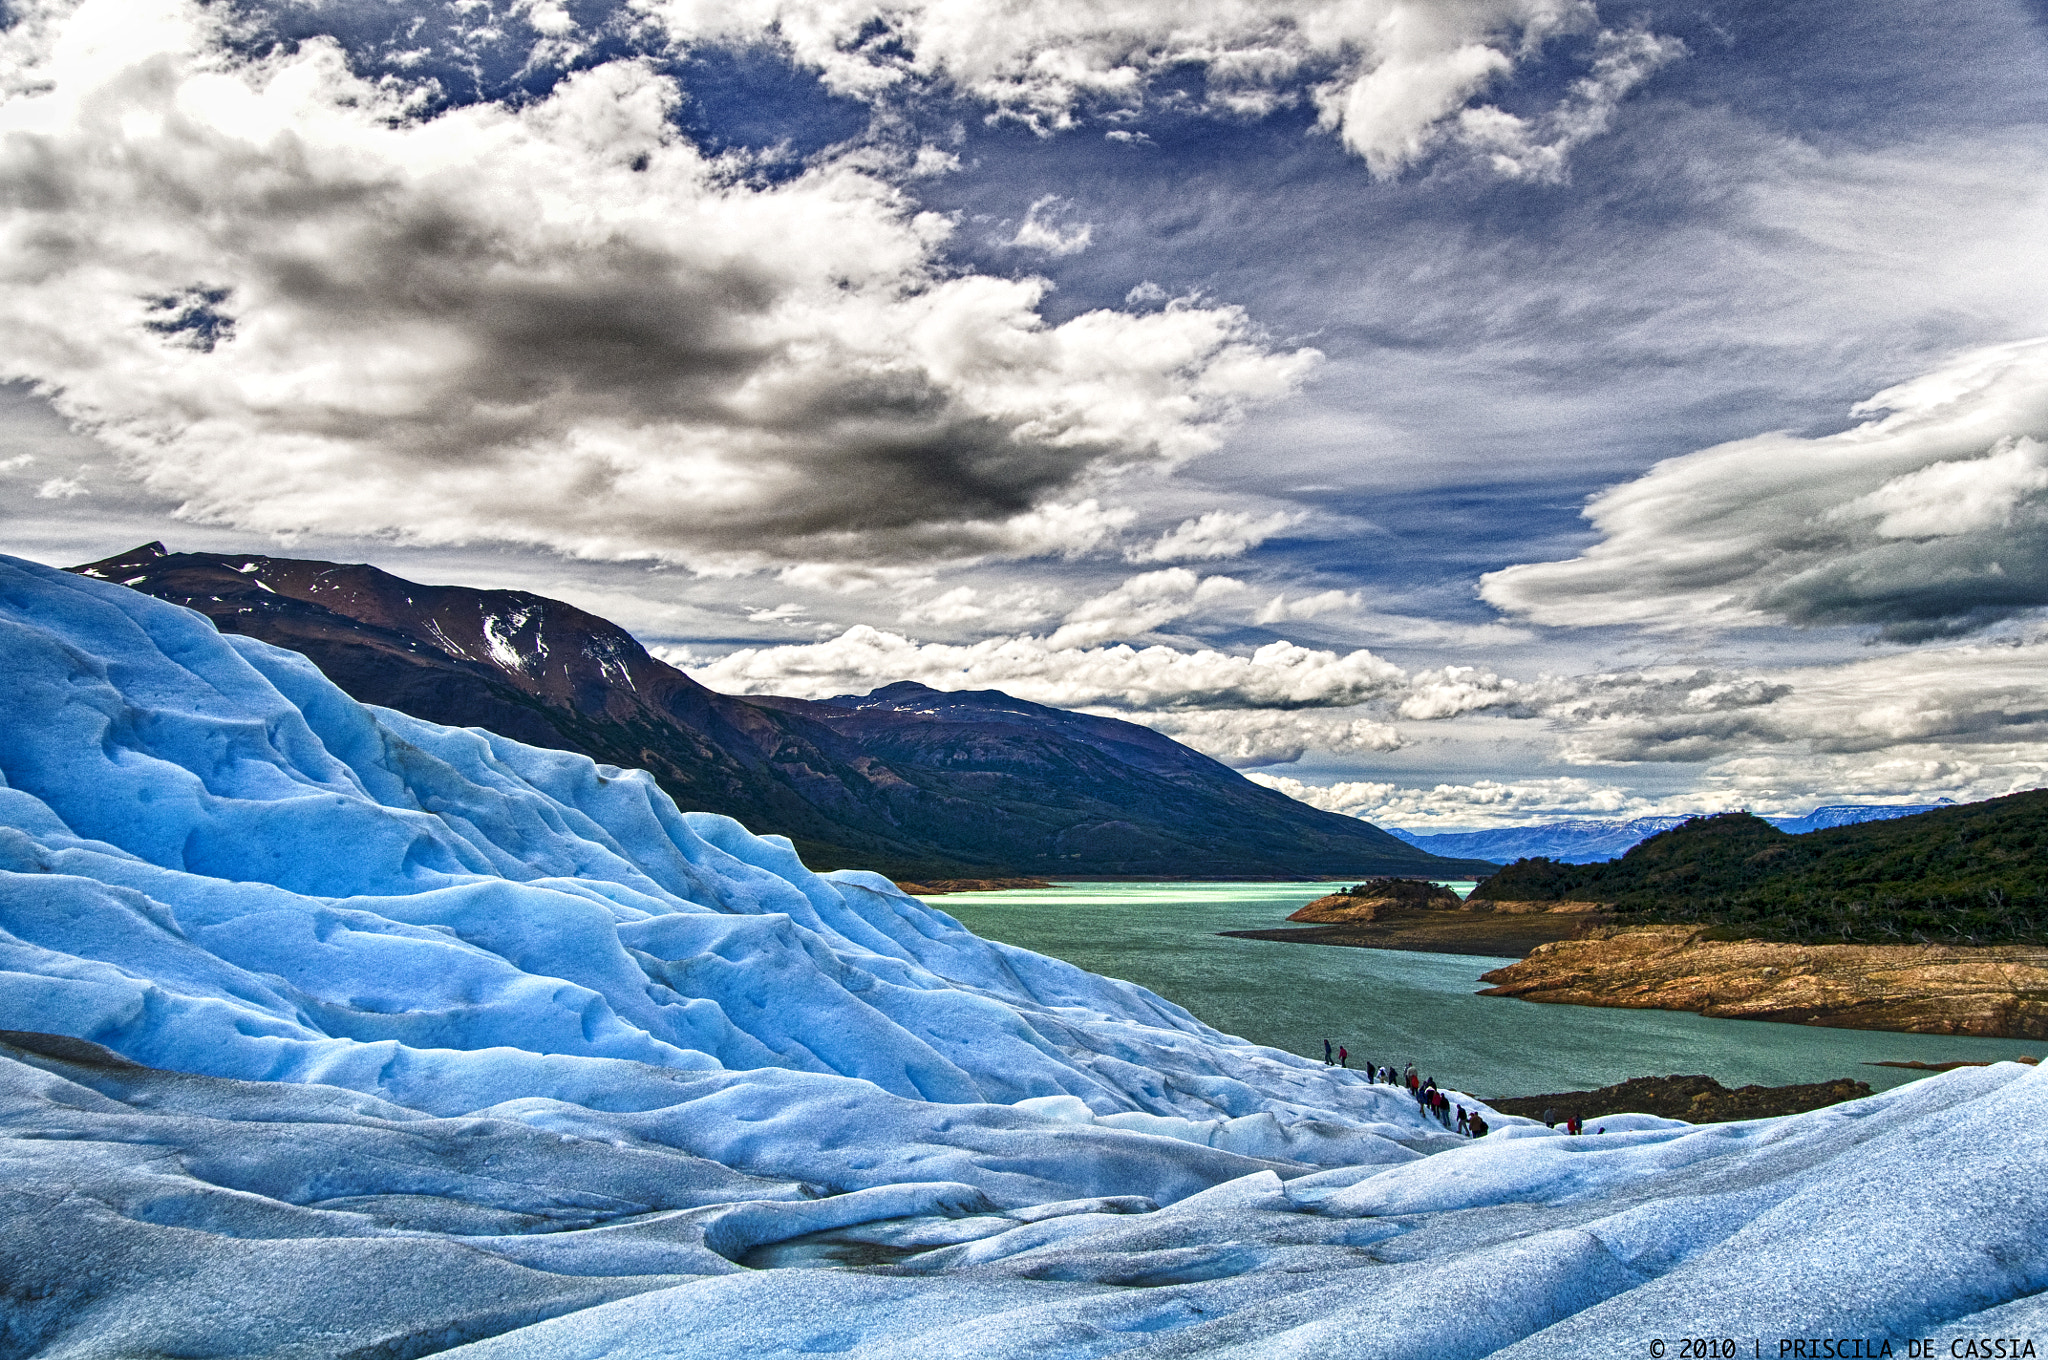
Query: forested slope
[{"x": 1976, "y": 873}]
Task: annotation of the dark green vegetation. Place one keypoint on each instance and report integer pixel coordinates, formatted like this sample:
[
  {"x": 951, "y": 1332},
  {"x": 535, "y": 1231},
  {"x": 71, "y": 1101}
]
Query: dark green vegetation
[
  {"x": 1974, "y": 874},
  {"x": 1696, "y": 1099},
  {"x": 908, "y": 781},
  {"x": 1408, "y": 892}
]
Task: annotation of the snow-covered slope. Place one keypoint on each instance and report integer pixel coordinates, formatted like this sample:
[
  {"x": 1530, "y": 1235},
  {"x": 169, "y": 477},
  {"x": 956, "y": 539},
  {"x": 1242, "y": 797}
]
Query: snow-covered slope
[
  {"x": 218, "y": 863},
  {"x": 442, "y": 1037}
]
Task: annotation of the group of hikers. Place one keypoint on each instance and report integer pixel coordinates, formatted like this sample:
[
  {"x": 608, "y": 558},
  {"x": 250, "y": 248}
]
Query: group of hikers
[
  {"x": 1572, "y": 1123},
  {"x": 1424, "y": 1089}
]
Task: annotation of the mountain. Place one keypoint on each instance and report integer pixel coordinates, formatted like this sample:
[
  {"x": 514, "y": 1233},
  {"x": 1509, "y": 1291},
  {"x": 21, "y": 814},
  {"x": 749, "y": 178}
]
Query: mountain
[
  {"x": 907, "y": 781},
  {"x": 1853, "y": 814},
  {"x": 1588, "y": 840},
  {"x": 326, "y": 1031},
  {"x": 1974, "y": 872},
  {"x": 1576, "y": 840}
]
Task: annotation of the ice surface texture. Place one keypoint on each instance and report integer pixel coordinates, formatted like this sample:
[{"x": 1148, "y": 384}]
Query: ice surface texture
[{"x": 448, "y": 1040}]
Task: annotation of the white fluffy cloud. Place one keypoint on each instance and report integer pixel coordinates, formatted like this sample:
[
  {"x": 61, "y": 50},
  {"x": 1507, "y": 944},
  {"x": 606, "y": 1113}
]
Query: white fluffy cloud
[
  {"x": 1269, "y": 708},
  {"x": 1044, "y": 229},
  {"x": 1141, "y": 605},
  {"x": 1280, "y": 609},
  {"x": 1488, "y": 802},
  {"x": 1391, "y": 77},
  {"x": 1537, "y": 148},
  {"x": 295, "y": 304},
  {"x": 1217, "y": 533},
  {"x": 1245, "y": 738},
  {"x": 1928, "y": 519},
  {"x": 1279, "y": 675}
]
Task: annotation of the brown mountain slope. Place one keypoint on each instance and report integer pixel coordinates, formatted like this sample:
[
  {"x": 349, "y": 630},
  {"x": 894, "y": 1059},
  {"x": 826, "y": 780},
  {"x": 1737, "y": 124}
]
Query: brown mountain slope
[{"x": 907, "y": 781}]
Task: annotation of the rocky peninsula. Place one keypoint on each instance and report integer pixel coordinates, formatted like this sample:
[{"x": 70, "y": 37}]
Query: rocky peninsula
[
  {"x": 1992, "y": 991},
  {"x": 1414, "y": 914}
]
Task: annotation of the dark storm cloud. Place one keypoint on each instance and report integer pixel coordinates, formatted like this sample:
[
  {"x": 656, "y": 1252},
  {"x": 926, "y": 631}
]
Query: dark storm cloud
[{"x": 561, "y": 325}]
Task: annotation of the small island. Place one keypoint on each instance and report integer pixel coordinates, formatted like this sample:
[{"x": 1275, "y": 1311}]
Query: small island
[{"x": 1416, "y": 914}]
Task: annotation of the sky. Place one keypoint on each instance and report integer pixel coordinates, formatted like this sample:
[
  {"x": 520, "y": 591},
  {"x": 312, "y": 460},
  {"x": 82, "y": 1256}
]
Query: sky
[{"x": 1458, "y": 413}]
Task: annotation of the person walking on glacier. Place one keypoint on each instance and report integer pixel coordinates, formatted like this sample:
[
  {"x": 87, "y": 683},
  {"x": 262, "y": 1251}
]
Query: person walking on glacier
[{"x": 1328, "y": 1061}]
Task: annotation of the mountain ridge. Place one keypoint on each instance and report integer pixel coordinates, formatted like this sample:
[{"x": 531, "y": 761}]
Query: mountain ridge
[
  {"x": 909, "y": 781},
  {"x": 1590, "y": 840}
]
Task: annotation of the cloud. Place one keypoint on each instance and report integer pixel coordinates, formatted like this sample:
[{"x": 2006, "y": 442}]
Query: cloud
[
  {"x": 61, "y": 489},
  {"x": 954, "y": 606},
  {"x": 1537, "y": 148},
  {"x": 1928, "y": 519},
  {"x": 839, "y": 578},
  {"x": 1140, "y": 605},
  {"x": 1268, "y": 708},
  {"x": 1388, "y": 76},
  {"x": 295, "y": 304},
  {"x": 1217, "y": 533},
  {"x": 1279, "y": 675},
  {"x": 1016, "y": 606},
  {"x": 1453, "y": 690},
  {"x": 1040, "y": 229},
  {"x": 1247, "y": 738},
  {"x": 1280, "y": 609},
  {"x": 1964, "y": 721},
  {"x": 1484, "y": 803},
  {"x": 1930, "y": 701}
]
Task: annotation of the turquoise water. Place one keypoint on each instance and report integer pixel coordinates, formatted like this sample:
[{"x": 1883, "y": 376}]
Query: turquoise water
[{"x": 1397, "y": 1007}]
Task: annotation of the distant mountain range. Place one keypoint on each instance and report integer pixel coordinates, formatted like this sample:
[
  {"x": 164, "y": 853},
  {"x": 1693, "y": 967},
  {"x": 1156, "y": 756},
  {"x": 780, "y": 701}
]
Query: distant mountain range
[
  {"x": 907, "y": 780},
  {"x": 1589, "y": 840}
]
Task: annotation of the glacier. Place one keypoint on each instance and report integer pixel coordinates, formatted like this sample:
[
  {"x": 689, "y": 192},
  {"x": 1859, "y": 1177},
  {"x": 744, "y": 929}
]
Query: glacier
[{"x": 326, "y": 1031}]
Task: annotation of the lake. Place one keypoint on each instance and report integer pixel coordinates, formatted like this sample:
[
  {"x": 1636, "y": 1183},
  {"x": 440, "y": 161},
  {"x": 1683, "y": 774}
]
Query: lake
[{"x": 1394, "y": 1006}]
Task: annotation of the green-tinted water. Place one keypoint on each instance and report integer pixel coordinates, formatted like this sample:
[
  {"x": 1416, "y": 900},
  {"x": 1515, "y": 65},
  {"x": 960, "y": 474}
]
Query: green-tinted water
[{"x": 1395, "y": 1006}]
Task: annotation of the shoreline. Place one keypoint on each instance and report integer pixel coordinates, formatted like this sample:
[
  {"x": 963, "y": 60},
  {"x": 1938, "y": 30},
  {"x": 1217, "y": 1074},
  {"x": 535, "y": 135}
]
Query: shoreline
[
  {"x": 1983, "y": 991},
  {"x": 941, "y": 887},
  {"x": 1480, "y": 934},
  {"x": 1695, "y": 1099},
  {"x": 1581, "y": 958}
]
